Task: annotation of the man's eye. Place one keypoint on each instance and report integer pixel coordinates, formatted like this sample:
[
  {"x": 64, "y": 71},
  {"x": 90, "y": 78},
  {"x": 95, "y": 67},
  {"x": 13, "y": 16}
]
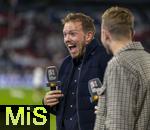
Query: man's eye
[{"x": 73, "y": 34}]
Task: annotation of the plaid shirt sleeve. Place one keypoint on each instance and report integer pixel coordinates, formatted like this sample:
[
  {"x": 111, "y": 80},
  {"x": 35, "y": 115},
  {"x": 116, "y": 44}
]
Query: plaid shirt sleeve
[
  {"x": 120, "y": 100},
  {"x": 121, "y": 103}
]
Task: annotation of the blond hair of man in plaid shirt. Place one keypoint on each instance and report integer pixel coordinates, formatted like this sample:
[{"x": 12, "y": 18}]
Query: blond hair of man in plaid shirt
[{"x": 125, "y": 103}]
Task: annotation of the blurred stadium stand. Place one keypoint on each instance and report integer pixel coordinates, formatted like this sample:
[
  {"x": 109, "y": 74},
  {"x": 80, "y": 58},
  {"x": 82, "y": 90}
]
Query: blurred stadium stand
[{"x": 31, "y": 33}]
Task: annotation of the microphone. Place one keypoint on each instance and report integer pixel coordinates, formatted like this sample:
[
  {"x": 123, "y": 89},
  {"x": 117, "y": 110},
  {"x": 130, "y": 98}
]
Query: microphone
[
  {"x": 95, "y": 89},
  {"x": 52, "y": 78}
]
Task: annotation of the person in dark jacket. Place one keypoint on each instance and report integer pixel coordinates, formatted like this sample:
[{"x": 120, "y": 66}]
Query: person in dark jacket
[{"x": 87, "y": 60}]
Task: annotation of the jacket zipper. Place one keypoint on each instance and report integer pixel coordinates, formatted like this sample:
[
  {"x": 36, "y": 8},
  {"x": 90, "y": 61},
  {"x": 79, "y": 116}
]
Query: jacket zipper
[
  {"x": 67, "y": 88},
  {"x": 77, "y": 91}
]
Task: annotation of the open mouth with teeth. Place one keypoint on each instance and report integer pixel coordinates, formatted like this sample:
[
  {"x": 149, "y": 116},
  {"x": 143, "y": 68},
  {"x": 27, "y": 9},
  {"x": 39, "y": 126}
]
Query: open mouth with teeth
[{"x": 72, "y": 48}]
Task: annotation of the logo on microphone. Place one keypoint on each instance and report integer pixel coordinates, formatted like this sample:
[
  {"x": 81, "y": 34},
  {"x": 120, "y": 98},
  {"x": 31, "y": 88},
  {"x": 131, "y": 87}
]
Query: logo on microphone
[
  {"x": 52, "y": 75},
  {"x": 94, "y": 86}
]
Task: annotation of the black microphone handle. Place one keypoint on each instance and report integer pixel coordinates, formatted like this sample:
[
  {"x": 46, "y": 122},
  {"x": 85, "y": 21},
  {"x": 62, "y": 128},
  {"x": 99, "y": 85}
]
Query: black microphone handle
[{"x": 54, "y": 85}]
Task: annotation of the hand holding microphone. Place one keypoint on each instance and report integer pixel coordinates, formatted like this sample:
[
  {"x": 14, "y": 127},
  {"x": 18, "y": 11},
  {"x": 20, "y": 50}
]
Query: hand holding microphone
[
  {"x": 97, "y": 93},
  {"x": 52, "y": 97}
]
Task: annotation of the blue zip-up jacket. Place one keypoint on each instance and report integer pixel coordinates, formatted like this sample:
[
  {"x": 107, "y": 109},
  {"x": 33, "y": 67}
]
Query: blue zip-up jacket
[{"x": 93, "y": 66}]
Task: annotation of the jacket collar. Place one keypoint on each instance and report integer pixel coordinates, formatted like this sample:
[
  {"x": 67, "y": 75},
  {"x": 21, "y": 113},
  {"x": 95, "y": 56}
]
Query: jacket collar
[
  {"x": 131, "y": 46},
  {"x": 90, "y": 48}
]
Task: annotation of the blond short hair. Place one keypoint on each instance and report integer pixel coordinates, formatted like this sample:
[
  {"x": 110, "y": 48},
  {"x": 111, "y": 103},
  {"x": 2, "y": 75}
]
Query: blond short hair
[{"x": 118, "y": 21}]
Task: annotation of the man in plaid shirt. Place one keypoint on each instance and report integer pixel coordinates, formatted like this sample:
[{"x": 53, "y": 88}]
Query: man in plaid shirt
[{"x": 125, "y": 103}]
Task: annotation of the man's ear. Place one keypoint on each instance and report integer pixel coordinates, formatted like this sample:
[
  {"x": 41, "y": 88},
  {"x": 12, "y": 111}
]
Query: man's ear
[
  {"x": 89, "y": 36},
  {"x": 132, "y": 34},
  {"x": 107, "y": 35}
]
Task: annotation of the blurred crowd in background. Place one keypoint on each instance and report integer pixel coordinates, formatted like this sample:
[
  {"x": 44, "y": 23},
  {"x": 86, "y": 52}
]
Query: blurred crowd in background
[{"x": 31, "y": 35}]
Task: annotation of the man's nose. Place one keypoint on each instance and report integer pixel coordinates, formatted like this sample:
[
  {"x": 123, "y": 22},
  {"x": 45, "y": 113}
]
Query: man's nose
[{"x": 67, "y": 38}]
